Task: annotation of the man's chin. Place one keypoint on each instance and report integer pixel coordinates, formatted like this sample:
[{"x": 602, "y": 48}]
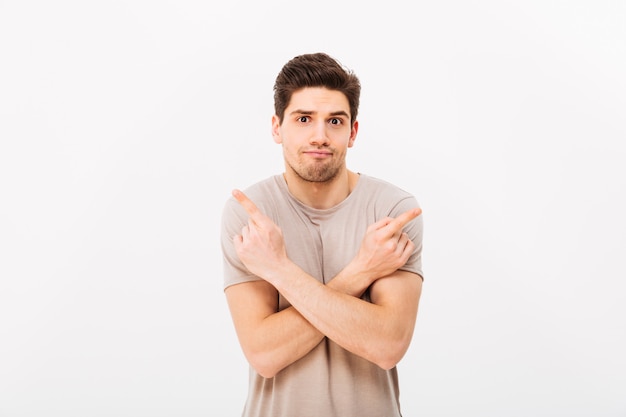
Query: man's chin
[{"x": 318, "y": 177}]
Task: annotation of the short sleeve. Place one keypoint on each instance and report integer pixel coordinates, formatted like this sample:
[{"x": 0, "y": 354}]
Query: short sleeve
[{"x": 233, "y": 220}]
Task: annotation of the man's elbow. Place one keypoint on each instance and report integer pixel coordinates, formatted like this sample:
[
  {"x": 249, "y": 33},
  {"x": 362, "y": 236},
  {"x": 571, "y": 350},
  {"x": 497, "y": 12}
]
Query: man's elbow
[
  {"x": 389, "y": 357},
  {"x": 388, "y": 361},
  {"x": 265, "y": 373},
  {"x": 263, "y": 365}
]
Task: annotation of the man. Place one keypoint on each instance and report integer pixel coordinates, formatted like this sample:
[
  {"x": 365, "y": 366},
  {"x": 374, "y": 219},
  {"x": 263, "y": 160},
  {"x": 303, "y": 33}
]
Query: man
[{"x": 322, "y": 265}]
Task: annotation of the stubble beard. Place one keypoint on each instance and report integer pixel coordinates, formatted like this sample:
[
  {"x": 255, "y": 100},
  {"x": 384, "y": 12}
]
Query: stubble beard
[{"x": 317, "y": 171}]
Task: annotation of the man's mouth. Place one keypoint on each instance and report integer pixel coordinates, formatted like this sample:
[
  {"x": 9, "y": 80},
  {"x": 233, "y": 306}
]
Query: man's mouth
[{"x": 318, "y": 153}]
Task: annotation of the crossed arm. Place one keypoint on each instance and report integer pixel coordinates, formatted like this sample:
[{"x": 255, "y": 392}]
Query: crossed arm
[{"x": 379, "y": 331}]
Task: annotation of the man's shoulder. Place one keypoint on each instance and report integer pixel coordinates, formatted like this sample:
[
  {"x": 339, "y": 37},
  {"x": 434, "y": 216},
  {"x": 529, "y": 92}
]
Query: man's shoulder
[
  {"x": 264, "y": 189},
  {"x": 378, "y": 186},
  {"x": 384, "y": 197}
]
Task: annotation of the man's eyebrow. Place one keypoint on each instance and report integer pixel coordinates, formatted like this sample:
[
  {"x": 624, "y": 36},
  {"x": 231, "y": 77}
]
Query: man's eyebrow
[
  {"x": 309, "y": 112},
  {"x": 300, "y": 111}
]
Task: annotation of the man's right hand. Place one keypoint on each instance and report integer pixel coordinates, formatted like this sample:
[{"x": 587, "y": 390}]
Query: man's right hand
[{"x": 385, "y": 248}]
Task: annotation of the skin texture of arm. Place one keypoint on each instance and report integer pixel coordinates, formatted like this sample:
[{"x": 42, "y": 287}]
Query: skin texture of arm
[
  {"x": 272, "y": 339},
  {"x": 379, "y": 331}
]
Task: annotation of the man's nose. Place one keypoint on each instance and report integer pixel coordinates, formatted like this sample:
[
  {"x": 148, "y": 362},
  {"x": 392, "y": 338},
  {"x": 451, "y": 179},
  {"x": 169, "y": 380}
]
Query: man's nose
[{"x": 319, "y": 136}]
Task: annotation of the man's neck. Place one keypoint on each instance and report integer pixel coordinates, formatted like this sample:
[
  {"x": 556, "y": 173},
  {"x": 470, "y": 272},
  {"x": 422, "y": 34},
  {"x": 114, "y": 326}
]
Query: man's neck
[{"x": 321, "y": 195}]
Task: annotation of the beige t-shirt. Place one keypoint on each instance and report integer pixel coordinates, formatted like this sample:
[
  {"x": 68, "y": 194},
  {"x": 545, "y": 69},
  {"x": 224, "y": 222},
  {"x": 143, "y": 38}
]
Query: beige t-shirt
[{"x": 329, "y": 381}]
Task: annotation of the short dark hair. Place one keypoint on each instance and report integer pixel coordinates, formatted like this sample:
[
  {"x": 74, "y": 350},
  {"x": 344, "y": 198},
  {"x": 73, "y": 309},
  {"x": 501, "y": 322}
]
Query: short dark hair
[{"x": 315, "y": 70}]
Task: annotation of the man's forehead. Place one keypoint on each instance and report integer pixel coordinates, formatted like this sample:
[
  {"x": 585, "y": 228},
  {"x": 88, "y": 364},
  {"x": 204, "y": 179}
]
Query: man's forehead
[{"x": 318, "y": 99}]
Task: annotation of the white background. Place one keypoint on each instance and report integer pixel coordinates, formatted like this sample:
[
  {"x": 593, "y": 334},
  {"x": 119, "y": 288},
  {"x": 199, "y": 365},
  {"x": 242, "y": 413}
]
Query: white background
[{"x": 125, "y": 124}]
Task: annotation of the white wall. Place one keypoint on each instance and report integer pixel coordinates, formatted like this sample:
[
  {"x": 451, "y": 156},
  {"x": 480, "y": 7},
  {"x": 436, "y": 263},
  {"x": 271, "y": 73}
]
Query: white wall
[{"x": 124, "y": 126}]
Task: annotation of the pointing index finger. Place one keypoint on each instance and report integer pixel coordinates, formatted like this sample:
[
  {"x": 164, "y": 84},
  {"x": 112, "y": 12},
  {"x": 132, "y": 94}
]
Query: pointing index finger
[
  {"x": 247, "y": 204},
  {"x": 399, "y": 222},
  {"x": 251, "y": 208}
]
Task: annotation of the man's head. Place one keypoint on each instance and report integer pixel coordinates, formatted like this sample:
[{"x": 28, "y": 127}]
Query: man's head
[{"x": 315, "y": 70}]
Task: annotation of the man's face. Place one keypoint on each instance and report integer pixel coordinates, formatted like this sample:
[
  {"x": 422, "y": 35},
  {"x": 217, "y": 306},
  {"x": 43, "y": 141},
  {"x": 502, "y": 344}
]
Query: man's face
[{"x": 316, "y": 133}]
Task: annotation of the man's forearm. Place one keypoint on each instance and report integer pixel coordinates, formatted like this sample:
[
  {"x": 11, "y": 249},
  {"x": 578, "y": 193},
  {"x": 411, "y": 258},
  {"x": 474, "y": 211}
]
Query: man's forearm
[
  {"x": 363, "y": 328},
  {"x": 286, "y": 336}
]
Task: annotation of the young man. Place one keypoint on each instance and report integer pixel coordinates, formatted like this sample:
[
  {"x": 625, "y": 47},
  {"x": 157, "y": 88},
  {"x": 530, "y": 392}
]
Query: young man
[{"x": 322, "y": 265}]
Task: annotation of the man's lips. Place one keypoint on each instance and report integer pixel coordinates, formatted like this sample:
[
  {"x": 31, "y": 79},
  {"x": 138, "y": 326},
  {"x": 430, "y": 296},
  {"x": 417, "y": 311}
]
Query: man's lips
[{"x": 318, "y": 153}]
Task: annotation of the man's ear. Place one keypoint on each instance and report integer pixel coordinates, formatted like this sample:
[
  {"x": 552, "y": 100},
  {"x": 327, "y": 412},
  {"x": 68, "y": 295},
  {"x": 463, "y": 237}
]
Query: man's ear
[
  {"x": 276, "y": 130},
  {"x": 355, "y": 129}
]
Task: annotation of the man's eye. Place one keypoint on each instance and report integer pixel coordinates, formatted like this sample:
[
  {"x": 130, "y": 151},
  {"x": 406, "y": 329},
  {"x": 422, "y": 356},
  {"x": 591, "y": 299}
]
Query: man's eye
[
  {"x": 303, "y": 119},
  {"x": 335, "y": 121}
]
